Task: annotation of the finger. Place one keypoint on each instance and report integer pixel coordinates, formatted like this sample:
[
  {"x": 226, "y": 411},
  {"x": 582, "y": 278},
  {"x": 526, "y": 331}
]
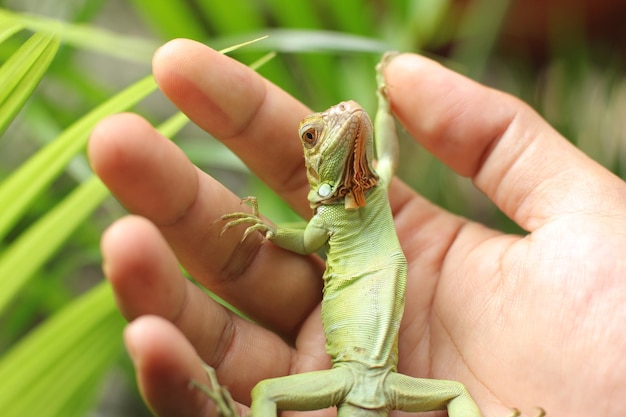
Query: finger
[
  {"x": 147, "y": 281},
  {"x": 153, "y": 178},
  {"x": 165, "y": 370},
  {"x": 530, "y": 171},
  {"x": 253, "y": 117}
]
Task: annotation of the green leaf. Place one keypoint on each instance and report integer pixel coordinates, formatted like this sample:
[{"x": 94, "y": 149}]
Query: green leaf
[
  {"x": 33, "y": 247},
  {"x": 22, "y": 72},
  {"x": 300, "y": 40},
  {"x": 48, "y": 375},
  {"x": 8, "y": 26},
  {"x": 39, "y": 171},
  {"x": 88, "y": 37}
]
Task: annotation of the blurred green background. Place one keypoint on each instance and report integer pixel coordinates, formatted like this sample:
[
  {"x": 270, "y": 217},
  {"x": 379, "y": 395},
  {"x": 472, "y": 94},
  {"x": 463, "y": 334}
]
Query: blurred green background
[{"x": 60, "y": 334}]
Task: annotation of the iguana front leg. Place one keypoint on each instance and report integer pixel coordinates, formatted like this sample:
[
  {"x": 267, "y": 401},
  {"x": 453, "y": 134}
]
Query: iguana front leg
[
  {"x": 385, "y": 134},
  {"x": 304, "y": 240}
]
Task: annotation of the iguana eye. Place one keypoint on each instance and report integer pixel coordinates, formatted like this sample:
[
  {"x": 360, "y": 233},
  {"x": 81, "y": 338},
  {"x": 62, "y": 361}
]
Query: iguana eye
[{"x": 309, "y": 137}]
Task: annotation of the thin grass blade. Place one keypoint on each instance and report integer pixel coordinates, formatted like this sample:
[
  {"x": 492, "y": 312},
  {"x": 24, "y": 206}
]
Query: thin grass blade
[{"x": 22, "y": 73}]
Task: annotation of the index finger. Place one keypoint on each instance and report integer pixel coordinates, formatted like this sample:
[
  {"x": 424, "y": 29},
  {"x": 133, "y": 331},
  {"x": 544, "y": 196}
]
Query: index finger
[{"x": 254, "y": 118}]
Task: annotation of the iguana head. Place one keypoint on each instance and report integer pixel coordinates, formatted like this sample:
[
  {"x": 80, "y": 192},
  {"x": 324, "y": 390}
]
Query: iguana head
[{"x": 338, "y": 150}]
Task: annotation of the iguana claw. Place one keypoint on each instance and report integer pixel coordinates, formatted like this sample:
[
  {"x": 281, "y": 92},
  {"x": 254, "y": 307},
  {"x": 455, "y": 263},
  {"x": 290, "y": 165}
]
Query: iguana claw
[
  {"x": 517, "y": 413},
  {"x": 252, "y": 202},
  {"x": 242, "y": 217}
]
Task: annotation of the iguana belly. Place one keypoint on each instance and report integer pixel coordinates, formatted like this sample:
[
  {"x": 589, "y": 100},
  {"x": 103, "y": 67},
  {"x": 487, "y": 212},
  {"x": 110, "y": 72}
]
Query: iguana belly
[
  {"x": 361, "y": 313},
  {"x": 364, "y": 283}
]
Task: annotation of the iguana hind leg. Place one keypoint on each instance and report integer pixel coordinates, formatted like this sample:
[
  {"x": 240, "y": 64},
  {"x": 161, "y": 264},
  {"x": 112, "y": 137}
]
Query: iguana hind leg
[
  {"x": 417, "y": 395},
  {"x": 300, "y": 392}
]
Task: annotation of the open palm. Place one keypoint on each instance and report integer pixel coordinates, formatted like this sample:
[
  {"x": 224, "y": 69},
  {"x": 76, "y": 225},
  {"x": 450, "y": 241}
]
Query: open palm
[{"x": 522, "y": 321}]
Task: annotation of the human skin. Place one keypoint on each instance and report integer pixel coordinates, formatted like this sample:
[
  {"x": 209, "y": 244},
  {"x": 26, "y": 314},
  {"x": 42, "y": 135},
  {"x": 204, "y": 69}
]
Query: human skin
[{"x": 522, "y": 321}]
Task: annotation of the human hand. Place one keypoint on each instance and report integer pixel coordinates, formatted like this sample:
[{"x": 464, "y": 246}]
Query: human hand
[{"x": 521, "y": 321}]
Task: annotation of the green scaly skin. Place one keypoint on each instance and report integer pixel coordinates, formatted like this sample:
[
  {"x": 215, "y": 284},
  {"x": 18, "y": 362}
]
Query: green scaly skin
[{"x": 365, "y": 277}]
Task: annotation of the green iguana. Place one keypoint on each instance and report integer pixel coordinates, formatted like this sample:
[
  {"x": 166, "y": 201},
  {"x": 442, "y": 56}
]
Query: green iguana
[{"x": 365, "y": 277}]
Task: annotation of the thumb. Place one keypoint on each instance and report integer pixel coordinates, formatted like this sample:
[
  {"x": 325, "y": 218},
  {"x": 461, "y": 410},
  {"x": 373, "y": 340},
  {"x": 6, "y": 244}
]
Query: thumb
[{"x": 524, "y": 166}]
